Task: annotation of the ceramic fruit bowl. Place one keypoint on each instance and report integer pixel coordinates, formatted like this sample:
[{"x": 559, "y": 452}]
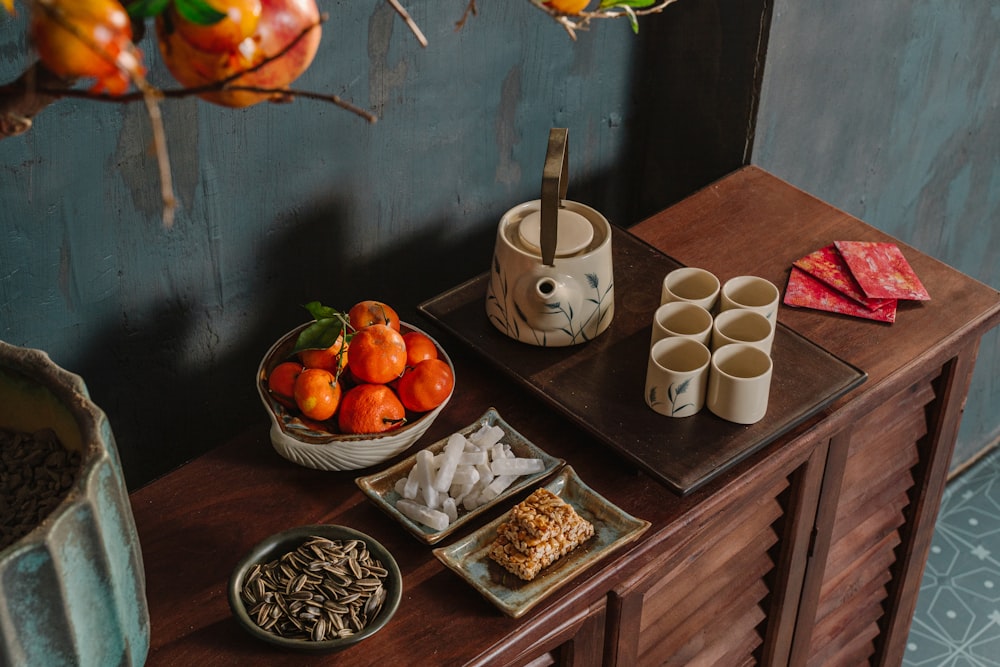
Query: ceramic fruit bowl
[
  {"x": 352, "y": 601},
  {"x": 307, "y": 445}
]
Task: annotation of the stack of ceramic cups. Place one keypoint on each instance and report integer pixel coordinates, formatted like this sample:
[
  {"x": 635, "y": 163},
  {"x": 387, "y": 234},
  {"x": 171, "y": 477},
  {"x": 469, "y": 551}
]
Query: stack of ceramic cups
[{"x": 711, "y": 346}]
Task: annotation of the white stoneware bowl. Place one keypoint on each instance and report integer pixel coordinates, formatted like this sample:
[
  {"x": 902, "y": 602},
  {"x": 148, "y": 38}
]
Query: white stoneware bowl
[{"x": 334, "y": 451}]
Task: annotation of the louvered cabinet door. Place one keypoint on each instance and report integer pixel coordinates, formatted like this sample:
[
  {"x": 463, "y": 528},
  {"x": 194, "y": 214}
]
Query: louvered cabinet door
[
  {"x": 876, "y": 524},
  {"x": 725, "y": 591}
]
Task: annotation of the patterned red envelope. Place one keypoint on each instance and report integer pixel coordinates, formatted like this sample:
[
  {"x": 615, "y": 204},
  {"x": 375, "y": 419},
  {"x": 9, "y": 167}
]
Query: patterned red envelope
[
  {"x": 808, "y": 292},
  {"x": 828, "y": 265},
  {"x": 882, "y": 271}
]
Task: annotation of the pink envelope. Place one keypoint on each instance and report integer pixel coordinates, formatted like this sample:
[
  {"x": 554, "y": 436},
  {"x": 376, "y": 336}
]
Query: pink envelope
[
  {"x": 805, "y": 291},
  {"x": 881, "y": 270},
  {"x": 827, "y": 265}
]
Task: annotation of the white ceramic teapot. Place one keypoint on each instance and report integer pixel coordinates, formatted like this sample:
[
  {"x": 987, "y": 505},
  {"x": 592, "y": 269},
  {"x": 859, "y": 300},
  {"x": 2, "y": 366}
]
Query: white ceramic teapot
[{"x": 551, "y": 282}]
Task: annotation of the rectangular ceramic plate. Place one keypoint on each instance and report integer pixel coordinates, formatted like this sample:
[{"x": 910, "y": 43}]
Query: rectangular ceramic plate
[
  {"x": 381, "y": 487},
  {"x": 613, "y": 529},
  {"x": 600, "y": 384}
]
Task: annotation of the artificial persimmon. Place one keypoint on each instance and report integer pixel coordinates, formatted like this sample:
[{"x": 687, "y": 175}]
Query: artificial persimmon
[
  {"x": 281, "y": 23},
  {"x": 86, "y": 39},
  {"x": 239, "y": 21},
  {"x": 426, "y": 385},
  {"x": 419, "y": 346},
  {"x": 370, "y": 408},
  {"x": 377, "y": 354},
  {"x": 317, "y": 393},
  {"x": 567, "y": 6},
  {"x": 368, "y": 312}
]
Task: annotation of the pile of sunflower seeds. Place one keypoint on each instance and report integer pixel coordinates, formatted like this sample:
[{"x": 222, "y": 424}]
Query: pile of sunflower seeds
[
  {"x": 36, "y": 473},
  {"x": 323, "y": 590}
]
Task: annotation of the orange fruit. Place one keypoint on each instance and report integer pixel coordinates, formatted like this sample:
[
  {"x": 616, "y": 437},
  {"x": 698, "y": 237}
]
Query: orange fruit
[
  {"x": 370, "y": 408},
  {"x": 225, "y": 35},
  {"x": 568, "y": 6},
  {"x": 377, "y": 354},
  {"x": 317, "y": 393},
  {"x": 86, "y": 39},
  {"x": 333, "y": 358},
  {"x": 281, "y": 381},
  {"x": 426, "y": 385},
  {"x": 418, "y": 347},
  {"x": 366, "y": 313},
  {"x": 279, "y": 27}
]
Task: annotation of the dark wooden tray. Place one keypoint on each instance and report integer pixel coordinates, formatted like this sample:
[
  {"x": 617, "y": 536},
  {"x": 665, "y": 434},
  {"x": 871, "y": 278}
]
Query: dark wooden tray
[{"x": 600, "y": 384}]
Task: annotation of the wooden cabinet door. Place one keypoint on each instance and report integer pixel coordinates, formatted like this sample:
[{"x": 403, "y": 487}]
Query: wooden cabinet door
[
  {"x": 879, "y": 503},
  {"x": 724, "y": 592}
]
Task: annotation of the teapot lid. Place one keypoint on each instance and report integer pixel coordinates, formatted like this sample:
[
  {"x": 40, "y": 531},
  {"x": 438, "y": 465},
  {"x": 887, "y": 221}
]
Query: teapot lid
[{"x": 574, "y": 232}]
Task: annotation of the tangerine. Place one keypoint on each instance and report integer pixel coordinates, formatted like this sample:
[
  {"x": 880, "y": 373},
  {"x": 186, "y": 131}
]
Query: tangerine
[
  {"x": 426, "y": 385},
  {"x": 281, "y": 381},
  {"x": 333, "y": 358},
  {"x": 418, "y": 347},
  {"x": 370, "y": 408},
  {"x": 378, "y": 354},
  {"x": 366, "y": 313},
  {"x": 317, "y": 393}
]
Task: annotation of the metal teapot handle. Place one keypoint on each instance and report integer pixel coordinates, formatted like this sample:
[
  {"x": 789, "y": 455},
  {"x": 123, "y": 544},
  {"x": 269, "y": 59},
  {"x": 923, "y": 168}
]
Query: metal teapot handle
[{"x": 555, "y": 180}]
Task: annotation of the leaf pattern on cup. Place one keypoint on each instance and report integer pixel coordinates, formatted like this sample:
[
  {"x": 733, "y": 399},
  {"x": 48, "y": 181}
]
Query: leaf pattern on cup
[{"x": 674, "y": 394}]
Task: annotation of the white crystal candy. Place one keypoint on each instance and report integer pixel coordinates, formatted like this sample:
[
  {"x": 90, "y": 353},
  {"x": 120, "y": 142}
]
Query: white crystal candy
[{"x": 431, "y": 518}]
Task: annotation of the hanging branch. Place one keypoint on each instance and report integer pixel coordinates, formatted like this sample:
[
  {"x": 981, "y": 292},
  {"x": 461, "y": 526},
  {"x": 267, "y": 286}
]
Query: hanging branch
[
  {"x": 608, "y": 9},
  {"x": 410, "y": 23}
]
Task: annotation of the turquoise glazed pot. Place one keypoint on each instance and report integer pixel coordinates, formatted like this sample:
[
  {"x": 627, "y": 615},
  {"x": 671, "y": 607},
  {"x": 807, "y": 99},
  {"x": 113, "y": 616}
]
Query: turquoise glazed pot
[{"x": 72, "y": 589}]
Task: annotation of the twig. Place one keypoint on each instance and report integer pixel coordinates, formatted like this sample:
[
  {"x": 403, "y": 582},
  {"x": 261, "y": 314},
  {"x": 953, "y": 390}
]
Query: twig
[
  {"x": 414, "y": 28},
  {"x": 470, "y": 10},
  {"x": 128, "y": 63}
]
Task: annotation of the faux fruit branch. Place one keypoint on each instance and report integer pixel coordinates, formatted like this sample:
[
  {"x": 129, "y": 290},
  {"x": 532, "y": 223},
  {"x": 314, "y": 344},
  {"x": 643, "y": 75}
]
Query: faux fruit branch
[
  {"x": 233, "y": 53},
  {"x": 573, "y": 15}
]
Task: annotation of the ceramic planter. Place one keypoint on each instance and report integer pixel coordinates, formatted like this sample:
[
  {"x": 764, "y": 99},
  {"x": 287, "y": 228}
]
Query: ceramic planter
[{"x": 72, "y": 590}]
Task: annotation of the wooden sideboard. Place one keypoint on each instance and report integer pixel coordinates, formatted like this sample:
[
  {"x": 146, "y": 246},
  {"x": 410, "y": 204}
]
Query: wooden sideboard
[{"x": 809, "y": 552}]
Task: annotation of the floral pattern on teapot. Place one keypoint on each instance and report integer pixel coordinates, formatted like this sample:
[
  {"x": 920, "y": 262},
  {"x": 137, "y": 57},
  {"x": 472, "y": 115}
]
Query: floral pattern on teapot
[{"x": 549, "y": 309}]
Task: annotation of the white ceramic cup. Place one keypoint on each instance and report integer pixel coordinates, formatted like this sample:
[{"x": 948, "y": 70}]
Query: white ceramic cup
[
  {"x": 739, "y": 383},
  {"x": 742, "y": 326},
  {"x": 682, "y": 318},
  {"x": 690, "y": 284},
  {"x": 677, "y": 376},
  {"x": 750, "y": 293}
]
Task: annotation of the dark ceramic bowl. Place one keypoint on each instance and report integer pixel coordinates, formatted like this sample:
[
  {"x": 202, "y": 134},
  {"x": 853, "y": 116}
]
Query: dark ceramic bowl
[{"x": 287, "y": 541}]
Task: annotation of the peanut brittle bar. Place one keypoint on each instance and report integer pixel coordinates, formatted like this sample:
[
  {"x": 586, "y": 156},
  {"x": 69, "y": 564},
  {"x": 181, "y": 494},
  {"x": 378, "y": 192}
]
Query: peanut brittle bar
[{"x": 539, "y": 530}]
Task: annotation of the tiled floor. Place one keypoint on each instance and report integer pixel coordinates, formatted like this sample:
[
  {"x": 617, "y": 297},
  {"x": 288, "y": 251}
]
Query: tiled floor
[{"x": 957, "y": 621}]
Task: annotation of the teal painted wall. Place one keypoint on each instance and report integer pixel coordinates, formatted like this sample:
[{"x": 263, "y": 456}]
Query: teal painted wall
[
  {"x": 891, "y": 111},
  {"x": 284, "y": 204}
]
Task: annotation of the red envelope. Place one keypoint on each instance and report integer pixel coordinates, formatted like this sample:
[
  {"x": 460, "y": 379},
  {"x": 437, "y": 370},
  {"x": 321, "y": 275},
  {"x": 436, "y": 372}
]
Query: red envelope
[
  {"x": 808, "y": 292},
  {"x": 827, "y": 265},
  {"x": 881, "y": 270}
]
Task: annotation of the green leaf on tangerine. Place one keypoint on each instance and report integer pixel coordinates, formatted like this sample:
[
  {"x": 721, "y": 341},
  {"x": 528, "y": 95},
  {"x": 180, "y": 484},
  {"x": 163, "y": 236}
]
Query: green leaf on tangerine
[
  {"x": 320, "y": 335},
  {"x": 321, "y": 312},
  {"x": 329, "y": 325},
  {"x": 198, "y": 12}
]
